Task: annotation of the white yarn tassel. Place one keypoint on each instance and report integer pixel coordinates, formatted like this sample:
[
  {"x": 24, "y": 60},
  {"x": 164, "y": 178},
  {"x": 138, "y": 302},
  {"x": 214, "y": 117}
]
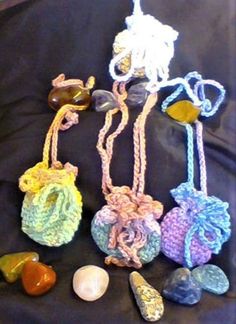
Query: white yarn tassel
[{"x": 150, "y": 46}]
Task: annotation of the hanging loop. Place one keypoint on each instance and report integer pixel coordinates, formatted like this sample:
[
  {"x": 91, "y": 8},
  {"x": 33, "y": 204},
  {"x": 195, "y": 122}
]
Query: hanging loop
[
  {"x": 137, "y": 8},
  {"x": 144, "y": 49}
]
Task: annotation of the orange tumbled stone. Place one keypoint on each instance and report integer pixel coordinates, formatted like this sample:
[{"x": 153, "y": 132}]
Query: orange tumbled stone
[{"x": 37, "y": 278}]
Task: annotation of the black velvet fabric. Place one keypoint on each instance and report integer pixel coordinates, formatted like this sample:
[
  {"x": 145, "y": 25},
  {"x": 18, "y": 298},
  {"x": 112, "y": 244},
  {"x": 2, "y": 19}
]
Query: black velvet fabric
[{"x": 39, "y": 40}]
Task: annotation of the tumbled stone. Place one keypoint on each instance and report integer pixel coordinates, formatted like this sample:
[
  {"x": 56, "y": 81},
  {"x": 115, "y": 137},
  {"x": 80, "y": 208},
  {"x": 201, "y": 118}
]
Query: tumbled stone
[
  {"x": 182, "y": 288},
  {"x": 211, "y": 278},
  {"x": 72, "y": 94},
  {"x": 11, "y": 265},
  {"x": 37, "y": 278},
  {"x": 183, "y": 111},
  {"x": 124, "y": 64},
  {"x": 104, "y": 100},
  {"x": 137, "y": 94},
  {"x": 90, "y": 282},
  {"x": 148, "y": 299}
]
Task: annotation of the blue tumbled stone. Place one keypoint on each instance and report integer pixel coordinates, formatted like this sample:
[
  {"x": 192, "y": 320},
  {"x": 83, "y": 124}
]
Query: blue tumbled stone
[
  {"x": 137, "y": 94},
  {"x": 104, "y": 100},
  {"x": 182, "y": 288},
  {"x": 211, "y": 278}
]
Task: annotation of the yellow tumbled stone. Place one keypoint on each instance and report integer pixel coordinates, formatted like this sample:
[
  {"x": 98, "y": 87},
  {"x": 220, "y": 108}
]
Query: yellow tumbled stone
[{"x": 183, "y": 111}]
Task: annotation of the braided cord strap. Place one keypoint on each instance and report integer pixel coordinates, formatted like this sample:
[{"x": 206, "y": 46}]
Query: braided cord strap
[
  {"x": 201, "y": 224},
  {"x": 139, "y": 139},
  {"x": 201, "y": 157},
  {"x": 126, "y": 228},
  {"x": 105, "y": 150},
  {"x": 52, "y": 206},
  {"x": 190, "y": 155}
]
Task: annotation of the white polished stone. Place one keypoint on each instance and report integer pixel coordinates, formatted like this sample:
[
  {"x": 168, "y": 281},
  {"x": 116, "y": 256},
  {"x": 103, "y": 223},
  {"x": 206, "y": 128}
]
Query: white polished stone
[{"x": 90, "y": 282}]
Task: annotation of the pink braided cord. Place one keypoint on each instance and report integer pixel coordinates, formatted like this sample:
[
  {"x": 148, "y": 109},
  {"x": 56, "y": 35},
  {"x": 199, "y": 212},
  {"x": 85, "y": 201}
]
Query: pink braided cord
[
  {"x": 201, "y": 156},
  {"x": 139, "y": 139},
  {"x": 130, "y": 212},
  {"x": 133, "y": 217},
  {"x": 60, "y": 81},
  {"x": 106, "y": 150}
]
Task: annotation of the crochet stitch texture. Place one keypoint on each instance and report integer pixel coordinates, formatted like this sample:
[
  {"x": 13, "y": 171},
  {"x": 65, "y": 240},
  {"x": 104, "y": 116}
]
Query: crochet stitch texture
[
  {"x": 196, "y": 229},
  {"x": 52, "y": 206}
]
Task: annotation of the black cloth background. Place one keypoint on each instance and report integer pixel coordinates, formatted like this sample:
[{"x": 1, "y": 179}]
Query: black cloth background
[{"x": 39, "y": 40}]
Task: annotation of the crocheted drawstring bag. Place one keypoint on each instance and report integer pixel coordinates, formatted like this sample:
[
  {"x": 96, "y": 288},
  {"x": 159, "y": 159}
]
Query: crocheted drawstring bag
[
  {"x": 196, "y": 229},
  {"x": 52, "y": 206},
  {"x": 126, "y": 228}
]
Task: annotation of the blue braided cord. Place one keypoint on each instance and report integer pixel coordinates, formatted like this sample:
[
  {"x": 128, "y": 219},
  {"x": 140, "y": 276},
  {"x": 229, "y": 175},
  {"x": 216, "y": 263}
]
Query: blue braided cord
[
  {"x": 197, "y": 95},
  {"x": 190, "y": 154},
  {"x": 190, "y": 151},
  {"x": 171, "y": 98},
  {"x": 201, "y": 93},
  {"x": 187, "y": 246},
  {"x": 209, "y": 216},
  {"x": 207, "y": 108},
  {"x": 193, "y": 75},
  {"x": 184, "y": 85}
]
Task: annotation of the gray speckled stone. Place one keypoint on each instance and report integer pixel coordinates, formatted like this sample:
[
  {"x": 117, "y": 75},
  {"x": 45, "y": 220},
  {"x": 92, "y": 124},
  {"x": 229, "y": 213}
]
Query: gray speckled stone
[
  {"x": 104, "y": 100},
  {"x": 182, "y": 288},
  {"x": 137, "y": 94},
  {"x": 211, "y": 278}
]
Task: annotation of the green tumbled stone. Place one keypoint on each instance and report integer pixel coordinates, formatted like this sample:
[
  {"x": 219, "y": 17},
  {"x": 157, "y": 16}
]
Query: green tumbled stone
[
  {"x": 11, "y": 265},
  {"x": 211, "y": 278}
]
